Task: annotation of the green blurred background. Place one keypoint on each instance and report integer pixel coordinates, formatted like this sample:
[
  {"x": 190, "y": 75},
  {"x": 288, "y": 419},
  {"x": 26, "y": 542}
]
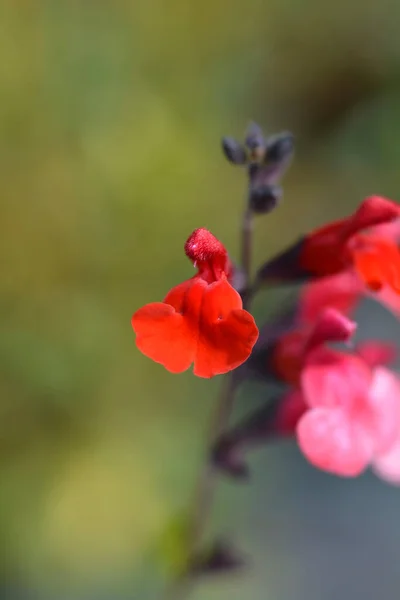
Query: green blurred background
[{"x": 111, "y": 114}]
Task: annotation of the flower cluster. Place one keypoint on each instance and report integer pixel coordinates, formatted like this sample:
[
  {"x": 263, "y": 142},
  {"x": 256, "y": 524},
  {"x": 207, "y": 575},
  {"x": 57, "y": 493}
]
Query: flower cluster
[
  {"x": 342, "y": 404},
  {"x": 344, "y": 407}
]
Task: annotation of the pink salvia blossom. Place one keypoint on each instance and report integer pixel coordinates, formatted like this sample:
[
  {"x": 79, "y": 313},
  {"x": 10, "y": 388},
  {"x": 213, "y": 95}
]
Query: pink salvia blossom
[{"x": 353, "y": 415}]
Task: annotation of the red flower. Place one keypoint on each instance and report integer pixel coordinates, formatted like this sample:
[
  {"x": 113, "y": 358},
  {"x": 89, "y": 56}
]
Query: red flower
[
  {"x": 201, "y": 320},
  {"x": 340, "y": 245},
  {"x": 290, "y": 409},
  {"x": 292, "y": 348}
]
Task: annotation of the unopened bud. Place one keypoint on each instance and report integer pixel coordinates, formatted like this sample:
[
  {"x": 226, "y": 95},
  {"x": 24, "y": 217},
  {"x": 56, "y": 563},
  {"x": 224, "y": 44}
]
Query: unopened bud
[
  {"x": 255, "y": 137},
  {"x": 264, "y": 198},
  {"x": 279, "y": 147},
  {"x": 234, "y": 151}
]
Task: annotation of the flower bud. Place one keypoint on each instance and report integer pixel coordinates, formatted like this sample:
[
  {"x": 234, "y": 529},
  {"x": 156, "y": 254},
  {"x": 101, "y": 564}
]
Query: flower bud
[
  {"x": 254, "y": 137},
  {"x": 264, "y": 198},
  {"x": 234, "y": 151},
  {"x": 279, "y": 147}
]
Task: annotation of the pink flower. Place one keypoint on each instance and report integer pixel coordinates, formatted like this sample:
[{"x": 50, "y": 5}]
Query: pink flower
[
  {"x": 353, "y": 416},
  {"x": 387, "y": 463},
  {"x": 291, "y": 354},
  {"x": 387, "y": 466},
  {"x": 342, "y": 292}
]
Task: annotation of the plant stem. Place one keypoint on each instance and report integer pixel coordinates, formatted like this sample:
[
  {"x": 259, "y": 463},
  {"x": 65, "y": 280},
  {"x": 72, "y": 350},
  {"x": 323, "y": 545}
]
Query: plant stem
[
  {"x": 247, "y": 239},
  {"x": 206, "y": 485}
]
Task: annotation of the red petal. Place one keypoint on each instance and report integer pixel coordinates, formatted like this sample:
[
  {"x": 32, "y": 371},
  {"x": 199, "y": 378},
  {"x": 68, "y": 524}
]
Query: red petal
[
  {"x": 376, "y": 353},
  {"x": 165, "y": 336},
  {"x": 332, "y": 443},
  {"x": 340, "y": 291},
  {"x": 377, "y": 261},
  {"x": 177, "y": 297},
  {"x": 227, "y": 332},
  {"x": 291, "y": 408},
  {"x": 288, "y": 356},
  {"x": 373, "y": 211},
  {"x": 324, "y": 250}
]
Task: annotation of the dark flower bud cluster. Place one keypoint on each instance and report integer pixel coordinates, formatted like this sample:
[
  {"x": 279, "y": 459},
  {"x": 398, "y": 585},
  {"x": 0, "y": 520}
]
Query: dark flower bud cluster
[{"x": 267, "y": 159}]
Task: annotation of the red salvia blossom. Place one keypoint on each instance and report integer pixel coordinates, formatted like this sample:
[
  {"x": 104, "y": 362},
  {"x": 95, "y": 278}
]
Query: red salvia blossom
[
  {"x": 345, "y": 289},
  {"x": 201, "y": 320},
  {"x": 353, "y": 412},
  {"x": 345, "y": 243},
  {"x": 292, "y": 348}
]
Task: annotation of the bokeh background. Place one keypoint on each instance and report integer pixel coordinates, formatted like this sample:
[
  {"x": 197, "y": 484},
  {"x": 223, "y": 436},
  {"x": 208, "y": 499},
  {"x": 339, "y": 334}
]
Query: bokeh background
[{"x": 111, "y": 114}]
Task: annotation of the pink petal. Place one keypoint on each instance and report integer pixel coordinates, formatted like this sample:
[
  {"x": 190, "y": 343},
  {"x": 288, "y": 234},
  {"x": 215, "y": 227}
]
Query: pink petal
[
  {"x": 382, "y": 421},
  {"x": 332, "y": 443},
  {"x": 330, "y": 326},
  {"x": 390, "y": 231},
  {"x": 333, "y": 379},
  {"x": 387, "y": 466}
]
